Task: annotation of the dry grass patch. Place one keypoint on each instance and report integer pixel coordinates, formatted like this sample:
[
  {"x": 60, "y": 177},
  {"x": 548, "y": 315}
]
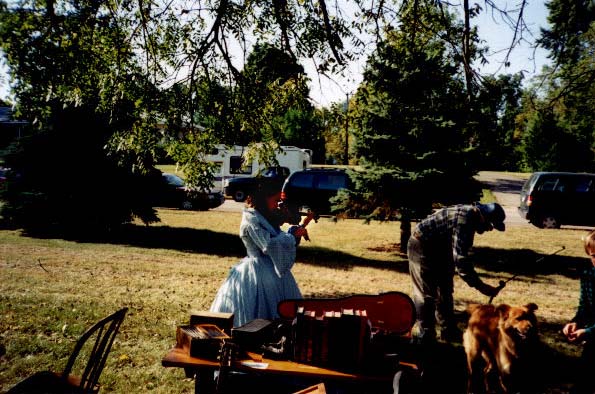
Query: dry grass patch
[{"x": 52, "y": 289}]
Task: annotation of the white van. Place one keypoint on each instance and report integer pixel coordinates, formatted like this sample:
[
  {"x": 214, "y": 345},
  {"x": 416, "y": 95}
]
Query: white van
[{"x": 230, "y": 161}]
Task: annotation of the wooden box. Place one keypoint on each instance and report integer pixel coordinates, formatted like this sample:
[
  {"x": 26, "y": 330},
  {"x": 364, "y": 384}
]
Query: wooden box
[
  {"x": 221, "y": 319},
  {"x": 201, "y": 340}
]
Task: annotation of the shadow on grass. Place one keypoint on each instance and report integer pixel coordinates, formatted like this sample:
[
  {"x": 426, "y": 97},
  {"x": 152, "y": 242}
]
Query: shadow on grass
[
  {"x": 522, "y": 262},
  {"x": 445, "y": 370},
  {"x": 221, "y": 244},
  {"x": 526, "y": 263},
  {"x": 164, "y": 237},
  {"x": 331, "y": 258}
]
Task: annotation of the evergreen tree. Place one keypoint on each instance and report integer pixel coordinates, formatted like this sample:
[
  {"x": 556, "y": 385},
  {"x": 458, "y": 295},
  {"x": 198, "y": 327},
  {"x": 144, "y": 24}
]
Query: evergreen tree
[
  {"x": 569, "y": 20},
  {"x": 410, "y": 122}
]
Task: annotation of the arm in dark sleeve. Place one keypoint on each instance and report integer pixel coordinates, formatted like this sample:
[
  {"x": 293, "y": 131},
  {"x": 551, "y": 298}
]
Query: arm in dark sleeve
[
  {"x": 462, "y": 240},
  {"x": 584, "y": 315},
  {"x": 583, "y": 304}
]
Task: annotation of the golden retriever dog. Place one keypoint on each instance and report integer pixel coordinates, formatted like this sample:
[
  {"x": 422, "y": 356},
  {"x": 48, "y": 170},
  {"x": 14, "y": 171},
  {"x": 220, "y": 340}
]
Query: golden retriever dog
[{"x": 498, "y": 342}]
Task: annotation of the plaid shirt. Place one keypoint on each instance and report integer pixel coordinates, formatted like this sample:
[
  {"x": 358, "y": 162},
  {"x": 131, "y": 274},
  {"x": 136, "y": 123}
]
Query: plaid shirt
[
  {"x": 454, "y": 227},
  {"x": 585, "y": 315}
]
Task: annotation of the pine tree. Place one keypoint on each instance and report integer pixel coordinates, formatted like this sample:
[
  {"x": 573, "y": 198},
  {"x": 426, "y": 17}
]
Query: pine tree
[{"x": 410, "y": 120}]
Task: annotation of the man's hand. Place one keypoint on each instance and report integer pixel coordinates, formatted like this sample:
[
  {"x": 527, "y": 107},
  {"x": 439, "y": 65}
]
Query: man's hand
[{"x": 488, "y": 290}]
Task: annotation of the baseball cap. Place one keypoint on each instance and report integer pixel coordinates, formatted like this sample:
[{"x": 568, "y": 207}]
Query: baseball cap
[{"x": 493, "y": 213}]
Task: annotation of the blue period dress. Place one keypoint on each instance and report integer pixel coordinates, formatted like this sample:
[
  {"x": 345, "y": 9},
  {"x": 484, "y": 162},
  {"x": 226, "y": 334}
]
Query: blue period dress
[{"x": 255, "y": 286}]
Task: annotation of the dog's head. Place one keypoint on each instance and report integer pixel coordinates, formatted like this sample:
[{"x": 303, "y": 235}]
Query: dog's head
[{"x": 518, "y": 322}]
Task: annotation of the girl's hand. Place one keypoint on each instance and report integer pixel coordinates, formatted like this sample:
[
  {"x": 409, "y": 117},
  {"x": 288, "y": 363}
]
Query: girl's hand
[
  {"x": 298, "y": 233},
  {"x": 569, "y": 329},
  {"x": 576, "y": 335}
]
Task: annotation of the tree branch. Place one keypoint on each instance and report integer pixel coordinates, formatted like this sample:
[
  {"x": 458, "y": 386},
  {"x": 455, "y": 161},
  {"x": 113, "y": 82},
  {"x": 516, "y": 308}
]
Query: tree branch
[{"x": 329, "y": 32}]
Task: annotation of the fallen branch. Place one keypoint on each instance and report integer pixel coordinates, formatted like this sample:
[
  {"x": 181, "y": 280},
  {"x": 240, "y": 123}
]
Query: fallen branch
[{"x": 42, "y": 267}]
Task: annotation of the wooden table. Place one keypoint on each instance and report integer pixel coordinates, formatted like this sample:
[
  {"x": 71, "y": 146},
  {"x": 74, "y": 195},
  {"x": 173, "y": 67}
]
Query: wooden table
[{"x": 202, "y": 370}]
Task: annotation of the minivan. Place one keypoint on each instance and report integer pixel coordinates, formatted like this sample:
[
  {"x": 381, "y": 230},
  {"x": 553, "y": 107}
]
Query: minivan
[{"x": 551, "y": 199}]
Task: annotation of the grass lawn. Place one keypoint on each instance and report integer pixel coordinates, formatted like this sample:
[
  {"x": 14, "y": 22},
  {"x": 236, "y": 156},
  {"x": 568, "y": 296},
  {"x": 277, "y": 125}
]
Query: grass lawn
[{"x": 51, "y": 290}]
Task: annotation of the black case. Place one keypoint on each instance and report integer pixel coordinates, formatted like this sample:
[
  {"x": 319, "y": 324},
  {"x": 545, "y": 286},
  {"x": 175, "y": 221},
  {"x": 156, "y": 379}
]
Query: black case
[{"x": 252, "y": 335}]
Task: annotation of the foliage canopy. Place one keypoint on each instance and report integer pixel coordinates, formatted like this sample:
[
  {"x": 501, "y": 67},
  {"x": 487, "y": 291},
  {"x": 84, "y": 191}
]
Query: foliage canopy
[{"x": 157, "y": 77}]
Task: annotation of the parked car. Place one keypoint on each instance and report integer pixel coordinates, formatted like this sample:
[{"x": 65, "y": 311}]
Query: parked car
[
  {"x": 173, "y": 192},
  {"x": 3, "y": 174},
  {"x": 312, "y": 189},
  {"x": 551, "y": 199},
  {"x": 239, "y": 188}
]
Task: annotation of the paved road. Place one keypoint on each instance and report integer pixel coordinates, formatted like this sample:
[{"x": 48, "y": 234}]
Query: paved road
[
  {"x": 230, "y": 206},
  {"x": 505, "y": 186}
]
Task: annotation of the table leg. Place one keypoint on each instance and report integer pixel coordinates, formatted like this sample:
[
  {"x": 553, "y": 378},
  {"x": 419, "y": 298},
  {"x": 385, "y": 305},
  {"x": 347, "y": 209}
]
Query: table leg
[{"x": 204, "y": 382}]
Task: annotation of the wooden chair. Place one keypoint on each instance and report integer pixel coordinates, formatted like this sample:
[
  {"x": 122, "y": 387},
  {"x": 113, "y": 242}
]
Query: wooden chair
[
  {"x": 316, "y": 389},
  {"x": 50, "y": 382}
]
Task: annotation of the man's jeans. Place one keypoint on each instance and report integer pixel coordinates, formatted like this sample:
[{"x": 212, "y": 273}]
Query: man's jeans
[{"x": 432, "y": 277}]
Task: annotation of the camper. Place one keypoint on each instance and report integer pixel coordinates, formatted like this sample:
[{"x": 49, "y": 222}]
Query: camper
[{"x": 230, "y": 161}]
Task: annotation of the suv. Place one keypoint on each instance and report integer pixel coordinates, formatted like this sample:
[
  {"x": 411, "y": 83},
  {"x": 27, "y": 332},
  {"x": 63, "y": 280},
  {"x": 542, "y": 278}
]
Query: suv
[
  {"x": 313, "y": 188},
  {"x": 550, "y": 199},
  {"x": 239, "y": 188}
]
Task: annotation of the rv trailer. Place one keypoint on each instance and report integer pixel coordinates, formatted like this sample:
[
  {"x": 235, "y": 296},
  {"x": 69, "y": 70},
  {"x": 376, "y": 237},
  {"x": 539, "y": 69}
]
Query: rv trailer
[{"x": 230, "y": 162}]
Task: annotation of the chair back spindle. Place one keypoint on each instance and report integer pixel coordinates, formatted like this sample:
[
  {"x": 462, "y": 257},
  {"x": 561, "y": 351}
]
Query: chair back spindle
[{"x": 105, "y": 331}]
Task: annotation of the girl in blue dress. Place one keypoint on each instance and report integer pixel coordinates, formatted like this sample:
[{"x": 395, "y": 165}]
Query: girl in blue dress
[{"x": 255, "y": 286}]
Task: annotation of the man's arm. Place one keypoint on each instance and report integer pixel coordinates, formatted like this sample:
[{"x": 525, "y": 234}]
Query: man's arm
[
  {"x": 462, "y": 240},
  {"x": 463, "y": 237}
]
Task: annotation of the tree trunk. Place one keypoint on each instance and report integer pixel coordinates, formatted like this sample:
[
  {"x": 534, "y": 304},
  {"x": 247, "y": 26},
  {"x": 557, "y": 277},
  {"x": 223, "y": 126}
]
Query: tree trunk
[{"x": 405, "y": 232}]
